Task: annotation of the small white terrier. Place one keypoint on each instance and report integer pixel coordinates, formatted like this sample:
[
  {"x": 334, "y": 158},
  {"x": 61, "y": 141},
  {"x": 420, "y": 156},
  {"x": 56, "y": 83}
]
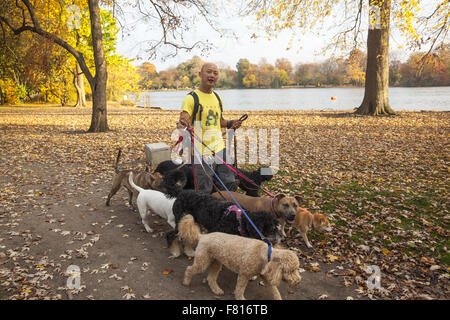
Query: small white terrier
[{"x": 154, "y": 201}]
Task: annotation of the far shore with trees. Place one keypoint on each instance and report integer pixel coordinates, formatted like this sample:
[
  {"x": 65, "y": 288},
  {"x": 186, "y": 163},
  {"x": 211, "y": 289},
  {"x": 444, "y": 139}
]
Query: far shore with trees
[
  {"x": 124, "y": 78},
  {"x": 332, "y": 72}
]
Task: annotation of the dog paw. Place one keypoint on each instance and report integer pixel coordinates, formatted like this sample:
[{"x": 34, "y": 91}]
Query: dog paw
[
  {"x": 217, "y": 291},
  {"x": 185, "y": 282},
  {"x": 189, "y": 253},
  {"x": 148, "y": 229},
  {"x": 173, "y": 256}
]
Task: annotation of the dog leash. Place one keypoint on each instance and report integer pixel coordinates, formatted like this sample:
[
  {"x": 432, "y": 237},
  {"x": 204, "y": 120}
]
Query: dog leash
[
  {"x": 263, "y": 238},
  {"x": 242, "y": 119}
]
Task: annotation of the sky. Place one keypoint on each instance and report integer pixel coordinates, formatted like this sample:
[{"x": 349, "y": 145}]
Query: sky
[{"x": 228, "y": 49}]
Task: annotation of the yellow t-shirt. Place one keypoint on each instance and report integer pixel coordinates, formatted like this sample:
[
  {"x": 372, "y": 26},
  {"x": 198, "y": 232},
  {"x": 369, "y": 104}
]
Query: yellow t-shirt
[{"x": 209, "y": 130}]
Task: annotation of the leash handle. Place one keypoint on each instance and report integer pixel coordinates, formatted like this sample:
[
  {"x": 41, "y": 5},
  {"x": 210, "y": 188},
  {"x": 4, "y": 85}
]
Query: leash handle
[{"x": 243, "y": 117}]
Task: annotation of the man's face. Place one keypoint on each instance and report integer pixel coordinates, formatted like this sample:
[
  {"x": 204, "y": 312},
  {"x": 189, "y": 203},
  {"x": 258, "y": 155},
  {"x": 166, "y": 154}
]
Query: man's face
[{"x": 209, "y": 74}]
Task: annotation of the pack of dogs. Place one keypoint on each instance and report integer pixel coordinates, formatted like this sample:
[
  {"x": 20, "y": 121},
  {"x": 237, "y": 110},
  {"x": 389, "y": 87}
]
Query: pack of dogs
[{"x": 229, "y": 236}]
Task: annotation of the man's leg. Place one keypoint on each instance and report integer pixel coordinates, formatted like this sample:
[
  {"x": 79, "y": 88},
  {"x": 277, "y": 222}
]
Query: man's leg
[
  {"x": 225, "y": 174},
  {"x": 204, "y": 182}
]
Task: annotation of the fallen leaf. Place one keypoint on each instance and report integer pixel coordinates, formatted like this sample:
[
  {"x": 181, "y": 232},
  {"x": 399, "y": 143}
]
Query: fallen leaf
[
  {"x": 332, "y": 258},
  {"x": 434, "y": 267}
]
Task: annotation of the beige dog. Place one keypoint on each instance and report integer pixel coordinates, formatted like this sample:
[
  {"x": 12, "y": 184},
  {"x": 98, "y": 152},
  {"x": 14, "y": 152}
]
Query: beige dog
[
  {"x": 144, "y": 179},
  {"x": 284, "y": 208},
  {"x": 244, "y": 256},
  {"x": 305, "y": 220}
]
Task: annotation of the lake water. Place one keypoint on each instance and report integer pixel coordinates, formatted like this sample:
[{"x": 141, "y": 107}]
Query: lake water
[{"x": 430, "y": 98}]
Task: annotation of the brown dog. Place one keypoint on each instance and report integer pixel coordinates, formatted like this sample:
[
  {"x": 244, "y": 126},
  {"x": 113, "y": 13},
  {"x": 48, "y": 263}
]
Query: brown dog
[
  {"x": 305, "y": 220},
  {"x": 144, "y": 180},
  {"x": 284, "y": 208}
]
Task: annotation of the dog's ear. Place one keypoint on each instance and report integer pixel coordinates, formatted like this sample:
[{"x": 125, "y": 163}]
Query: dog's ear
[
  {"x": 280, "y": 196},
  {"x": 299, "y": 199},
  {"x": 272, "y": 272}
]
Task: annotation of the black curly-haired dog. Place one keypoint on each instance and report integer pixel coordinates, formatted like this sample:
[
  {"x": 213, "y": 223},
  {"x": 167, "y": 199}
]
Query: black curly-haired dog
[
  {"x": 168, "y": 166},
  {"x": 216, "y": 216},
  {"x": 256, "y": 176},
  {"x": 173, "y": 183}
]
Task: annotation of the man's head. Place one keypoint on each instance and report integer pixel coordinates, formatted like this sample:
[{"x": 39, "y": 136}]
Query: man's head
[{"x": 209, "y": 75}]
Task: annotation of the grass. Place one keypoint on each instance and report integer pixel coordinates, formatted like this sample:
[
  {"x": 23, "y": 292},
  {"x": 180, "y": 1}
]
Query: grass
[{"x": 417, "y": 205}]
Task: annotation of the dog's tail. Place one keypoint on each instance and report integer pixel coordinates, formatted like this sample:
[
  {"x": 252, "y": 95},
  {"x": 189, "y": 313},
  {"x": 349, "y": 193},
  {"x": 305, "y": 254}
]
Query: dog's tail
[
  {"x": 130, "y": 180},
  {"x": 188, "y": 230},
  {"x": 116, "y": 164}
]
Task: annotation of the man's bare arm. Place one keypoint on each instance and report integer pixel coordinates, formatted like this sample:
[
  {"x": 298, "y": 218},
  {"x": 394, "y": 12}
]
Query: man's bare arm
[{"x": 184, "y": 118}]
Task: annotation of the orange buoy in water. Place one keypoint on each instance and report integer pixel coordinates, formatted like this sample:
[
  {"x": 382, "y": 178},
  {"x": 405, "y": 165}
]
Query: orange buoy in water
[{"x": 333, "y": 98}]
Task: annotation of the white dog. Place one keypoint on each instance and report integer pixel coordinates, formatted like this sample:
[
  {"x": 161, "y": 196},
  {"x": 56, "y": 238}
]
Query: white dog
[{"x": 154, "y": 201}]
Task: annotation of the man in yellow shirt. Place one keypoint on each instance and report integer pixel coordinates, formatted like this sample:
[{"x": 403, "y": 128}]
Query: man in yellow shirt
[{"x": 207, "y": 121}]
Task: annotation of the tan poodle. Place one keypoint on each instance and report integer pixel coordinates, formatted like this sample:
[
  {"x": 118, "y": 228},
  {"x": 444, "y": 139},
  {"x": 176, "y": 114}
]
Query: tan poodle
[{"x": 244, "y": 256}]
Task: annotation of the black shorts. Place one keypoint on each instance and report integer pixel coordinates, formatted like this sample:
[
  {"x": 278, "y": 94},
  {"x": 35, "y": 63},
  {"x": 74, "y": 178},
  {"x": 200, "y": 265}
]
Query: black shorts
[{"x": 206, "y": 178}]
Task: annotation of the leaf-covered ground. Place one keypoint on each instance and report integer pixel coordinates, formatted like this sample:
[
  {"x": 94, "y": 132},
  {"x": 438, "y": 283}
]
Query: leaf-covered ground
[{"x": 383, "y": 182}]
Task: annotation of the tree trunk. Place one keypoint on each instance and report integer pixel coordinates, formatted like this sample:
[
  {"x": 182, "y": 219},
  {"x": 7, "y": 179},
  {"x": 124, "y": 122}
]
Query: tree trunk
[
  {"x": 2, "y": 99},
  {"x": 376, "y": 99},
  {"x": 77, "y": 88},
  {"x": 99, "y": 121},
  {"x": 78, "y": 82}
]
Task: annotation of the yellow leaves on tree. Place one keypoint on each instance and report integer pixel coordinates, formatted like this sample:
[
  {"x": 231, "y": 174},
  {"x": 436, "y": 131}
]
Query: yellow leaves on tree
[{"x": 9, "y": 91}]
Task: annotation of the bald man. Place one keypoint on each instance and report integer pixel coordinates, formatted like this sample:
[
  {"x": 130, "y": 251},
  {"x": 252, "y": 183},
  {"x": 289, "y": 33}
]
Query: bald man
[{"x": 207, "y": 121}]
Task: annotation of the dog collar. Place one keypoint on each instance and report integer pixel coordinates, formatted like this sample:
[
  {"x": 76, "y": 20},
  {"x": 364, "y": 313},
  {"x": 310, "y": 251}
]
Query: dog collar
[
  {"x": 238, "y": 213},
  {"x": 234, "y": 208}
]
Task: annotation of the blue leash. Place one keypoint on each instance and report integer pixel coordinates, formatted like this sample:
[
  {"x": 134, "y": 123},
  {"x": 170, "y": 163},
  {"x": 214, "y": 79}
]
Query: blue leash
[{"x": 269, "y": 251}]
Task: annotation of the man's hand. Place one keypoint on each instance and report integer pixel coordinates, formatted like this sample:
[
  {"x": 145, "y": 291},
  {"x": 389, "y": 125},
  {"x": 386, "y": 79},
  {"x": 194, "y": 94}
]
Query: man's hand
[
  {"x": 184, "y": 120},
  {"x": 236, "y": 124},
  {"x": 180, "y": 125}
]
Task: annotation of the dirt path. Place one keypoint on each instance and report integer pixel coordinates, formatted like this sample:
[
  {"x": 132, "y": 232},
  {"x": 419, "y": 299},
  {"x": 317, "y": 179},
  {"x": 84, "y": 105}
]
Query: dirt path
[{"x": 67, "y": 223}]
